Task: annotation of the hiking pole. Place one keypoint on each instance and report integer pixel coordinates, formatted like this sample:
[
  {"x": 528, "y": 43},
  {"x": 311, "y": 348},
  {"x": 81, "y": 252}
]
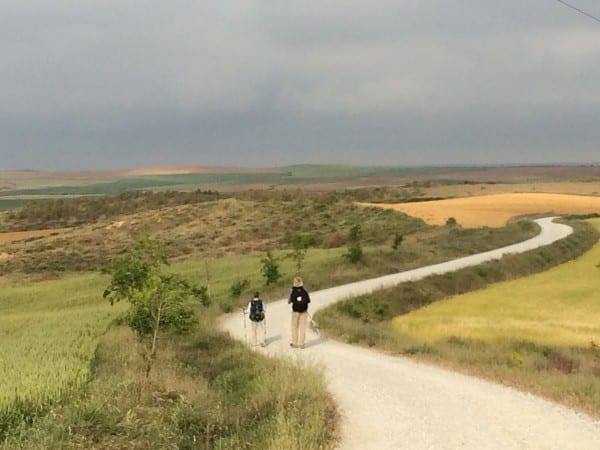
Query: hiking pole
[
  {"x": 313, "y": 324},
  {"x": 245, "y": 332},
  {"x": 265, "y": 332}
]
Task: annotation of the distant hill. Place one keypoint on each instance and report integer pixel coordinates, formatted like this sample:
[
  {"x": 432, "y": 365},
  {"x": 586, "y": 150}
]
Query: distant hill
[{"x": 19, "y": 186}]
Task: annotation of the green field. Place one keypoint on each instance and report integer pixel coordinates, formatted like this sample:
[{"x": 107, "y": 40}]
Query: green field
[
  {"x": 48, "y": 334},
  {"x": 288, "y": 175},
  {"x": 11, "y": 203}
]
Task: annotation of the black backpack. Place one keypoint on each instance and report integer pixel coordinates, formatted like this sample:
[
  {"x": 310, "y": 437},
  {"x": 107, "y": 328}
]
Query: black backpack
[{"x": 257, "y": 311}]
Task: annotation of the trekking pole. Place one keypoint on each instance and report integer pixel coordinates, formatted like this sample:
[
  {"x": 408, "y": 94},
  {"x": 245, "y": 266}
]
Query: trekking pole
[
  {"x": 245, "y": 332},
  {"x": 313, "y": 324},
  {"x": 265, "y": 332}
]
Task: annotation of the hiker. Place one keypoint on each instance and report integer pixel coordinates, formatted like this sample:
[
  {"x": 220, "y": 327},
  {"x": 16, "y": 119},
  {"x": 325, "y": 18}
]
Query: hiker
[
  {"x": 299, "y": 299},
  {"x": 256, "y": 313}
]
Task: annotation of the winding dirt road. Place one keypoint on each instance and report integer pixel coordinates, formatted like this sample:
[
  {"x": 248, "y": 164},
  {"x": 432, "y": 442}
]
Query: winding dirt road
[{"x": 395, "y": 403}]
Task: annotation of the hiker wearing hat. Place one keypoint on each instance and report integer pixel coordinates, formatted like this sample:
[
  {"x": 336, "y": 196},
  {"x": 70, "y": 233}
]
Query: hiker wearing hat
[{"x": 299, "y": 299}]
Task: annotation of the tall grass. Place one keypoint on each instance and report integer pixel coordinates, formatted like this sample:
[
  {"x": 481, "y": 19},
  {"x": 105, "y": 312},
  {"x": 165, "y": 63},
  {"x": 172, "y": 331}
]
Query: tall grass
[{"x": 206, "y": 391}]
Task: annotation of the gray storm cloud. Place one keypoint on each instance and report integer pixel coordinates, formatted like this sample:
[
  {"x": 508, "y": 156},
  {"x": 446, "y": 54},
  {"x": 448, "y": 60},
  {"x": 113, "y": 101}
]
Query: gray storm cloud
[{"x": 128, "y": 83}]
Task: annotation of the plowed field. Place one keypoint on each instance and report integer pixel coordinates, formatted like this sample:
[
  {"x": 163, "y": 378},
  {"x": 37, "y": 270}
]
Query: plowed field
[{"x": 20, "y": 235}]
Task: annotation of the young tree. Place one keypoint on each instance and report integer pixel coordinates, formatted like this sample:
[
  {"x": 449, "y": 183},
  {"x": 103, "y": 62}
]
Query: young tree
[
  {"x": 238, "y": 287},
  {"x": 355, "y": 252},
  {"x": 158, "y": 301},
  {"x": 300, "y": 244},
  {"x": 270, "y": 268}
]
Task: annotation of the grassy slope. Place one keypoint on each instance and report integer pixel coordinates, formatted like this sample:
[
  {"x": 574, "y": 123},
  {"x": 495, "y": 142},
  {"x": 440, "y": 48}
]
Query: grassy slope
[{"x": 208, "y": 229}]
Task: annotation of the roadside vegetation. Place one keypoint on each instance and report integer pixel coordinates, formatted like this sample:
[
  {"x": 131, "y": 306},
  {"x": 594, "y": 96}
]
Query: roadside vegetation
[
  {"x": 204, "y": 390},
  {"x": 539, "y": 333}
]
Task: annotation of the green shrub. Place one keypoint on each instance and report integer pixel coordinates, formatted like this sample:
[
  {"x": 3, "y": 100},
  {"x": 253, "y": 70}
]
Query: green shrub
[
  {"x": 270, "y": 268},
  {"x": 238, "y": 287}
]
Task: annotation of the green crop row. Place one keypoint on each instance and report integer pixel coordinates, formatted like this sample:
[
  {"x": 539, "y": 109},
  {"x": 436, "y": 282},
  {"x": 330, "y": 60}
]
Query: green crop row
[{"x": 49, "y": 332}]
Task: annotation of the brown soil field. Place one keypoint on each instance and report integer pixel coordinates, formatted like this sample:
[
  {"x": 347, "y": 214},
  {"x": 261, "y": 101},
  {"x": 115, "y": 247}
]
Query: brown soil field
[
  {"x": 476, "y": 189},
  {"x": 187, "y": 169},
  {"x": 497, "y": 210},
  {"x": 20, "y": 235},
  {"x": 27, "y": 179}
]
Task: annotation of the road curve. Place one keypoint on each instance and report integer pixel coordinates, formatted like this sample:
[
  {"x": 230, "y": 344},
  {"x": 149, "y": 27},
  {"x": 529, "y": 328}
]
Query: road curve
[{"x": 395, "y": 403}]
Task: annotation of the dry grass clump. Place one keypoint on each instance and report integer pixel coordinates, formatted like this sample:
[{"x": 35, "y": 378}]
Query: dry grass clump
[{"x": 497, "y": 210}]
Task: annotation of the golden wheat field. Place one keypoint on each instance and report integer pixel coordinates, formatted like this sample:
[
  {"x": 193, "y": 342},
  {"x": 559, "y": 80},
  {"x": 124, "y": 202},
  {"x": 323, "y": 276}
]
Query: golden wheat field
[
  {"x": 496, "y": 210},
  {"x": 557, "y": 307}
]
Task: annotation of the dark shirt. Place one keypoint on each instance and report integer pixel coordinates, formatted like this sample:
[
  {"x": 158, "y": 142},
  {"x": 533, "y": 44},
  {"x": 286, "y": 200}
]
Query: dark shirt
[{"x": 299, "y": 299}]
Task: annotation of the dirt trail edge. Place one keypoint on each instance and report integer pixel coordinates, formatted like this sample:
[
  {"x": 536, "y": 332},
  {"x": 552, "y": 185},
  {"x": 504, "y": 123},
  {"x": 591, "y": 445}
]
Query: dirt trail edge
[{"x": 395, "y": 403}]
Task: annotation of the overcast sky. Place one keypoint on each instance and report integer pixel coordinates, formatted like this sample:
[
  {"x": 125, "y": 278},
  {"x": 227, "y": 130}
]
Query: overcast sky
[{"x": 115, "y": 84}]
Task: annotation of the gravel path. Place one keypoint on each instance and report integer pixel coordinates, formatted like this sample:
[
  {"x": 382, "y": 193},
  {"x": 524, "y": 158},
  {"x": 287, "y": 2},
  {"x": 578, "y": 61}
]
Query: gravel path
[{"x": 395, "y": 403}]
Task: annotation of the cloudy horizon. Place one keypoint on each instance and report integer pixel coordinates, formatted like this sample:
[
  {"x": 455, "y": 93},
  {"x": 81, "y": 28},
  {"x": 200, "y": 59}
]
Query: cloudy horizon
[{"x": 104, "y": 85}]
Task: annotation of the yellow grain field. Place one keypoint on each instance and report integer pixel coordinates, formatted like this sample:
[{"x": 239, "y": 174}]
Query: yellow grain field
[
  {"x": 496, "y": 210},
  {"x": 558, "y": 307}
]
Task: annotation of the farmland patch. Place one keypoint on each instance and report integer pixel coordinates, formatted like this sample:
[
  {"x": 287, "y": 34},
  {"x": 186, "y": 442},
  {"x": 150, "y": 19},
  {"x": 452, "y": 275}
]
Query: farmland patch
[
  {"x": 497, "y": 210},
  {"x": 13, "y": 236}
]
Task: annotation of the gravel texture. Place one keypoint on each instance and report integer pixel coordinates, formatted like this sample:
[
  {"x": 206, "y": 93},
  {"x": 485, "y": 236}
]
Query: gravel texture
[{"x": 395, "y": 403}]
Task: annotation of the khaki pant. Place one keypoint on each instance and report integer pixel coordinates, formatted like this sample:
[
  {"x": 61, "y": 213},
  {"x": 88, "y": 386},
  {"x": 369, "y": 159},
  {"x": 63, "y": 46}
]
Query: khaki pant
[
  {"x": 258, "y": 333},
  {"x": 299, "y": 328}
]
